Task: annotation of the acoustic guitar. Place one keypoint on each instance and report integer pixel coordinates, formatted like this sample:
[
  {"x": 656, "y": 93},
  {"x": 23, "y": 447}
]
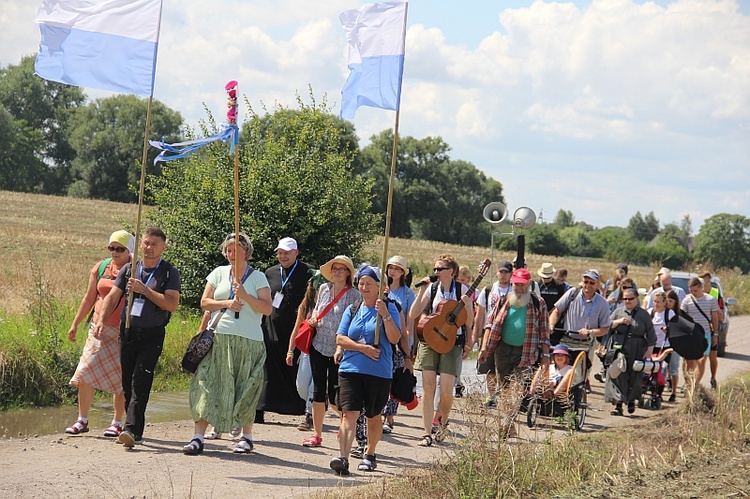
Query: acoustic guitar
[{"x": 439, "y": 329}]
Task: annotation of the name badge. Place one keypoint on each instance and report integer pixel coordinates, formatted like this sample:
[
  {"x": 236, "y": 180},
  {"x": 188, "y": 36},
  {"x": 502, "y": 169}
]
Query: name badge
[
  {"x": 137, "y": 308},
  {"x": 277, "y": 299}
]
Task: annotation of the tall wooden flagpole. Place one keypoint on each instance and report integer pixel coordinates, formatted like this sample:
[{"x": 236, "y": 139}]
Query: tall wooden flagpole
[
  {"x": 394, "y": 155},
  {"x": 141, "y": 187},
  {"x": 231, "y": 89}
]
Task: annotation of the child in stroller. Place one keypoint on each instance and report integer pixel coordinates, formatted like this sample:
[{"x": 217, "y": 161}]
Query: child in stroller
[{"x": 654, "y": 380}]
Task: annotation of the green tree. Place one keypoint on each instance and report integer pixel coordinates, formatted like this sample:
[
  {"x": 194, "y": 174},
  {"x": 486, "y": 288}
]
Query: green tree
[
  {"x": 42, "y": 107},
  {"x": 564, "y": 218},
  {"x": 544, "y": 239},
  {"x": 297, "y": 183},
  {"x": 724, "y": 240},
  {"x": 577, "y": 240},
  {"x": 643, "y": 228},
  {"x": 108, "y": 137},
  {"x": 434, "y": 197},
  {"x": 20, "y": 169}
]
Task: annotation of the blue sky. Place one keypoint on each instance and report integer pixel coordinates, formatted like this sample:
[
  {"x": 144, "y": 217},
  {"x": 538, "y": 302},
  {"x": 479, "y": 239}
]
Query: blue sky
[{"x": 600, "y": 107}]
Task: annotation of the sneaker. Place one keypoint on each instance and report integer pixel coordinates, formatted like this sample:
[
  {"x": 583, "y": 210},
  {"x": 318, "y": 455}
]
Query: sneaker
[
  {"x": 244, "y": 446},
  {"x": 307, "y": 423},
  {"x": 313, "y": 441},
  {"x": 599, "y": 377},
  {"x": 387, "y": 428},
  {"x": 114, "y": 430},
  {"x": 441, "y": 432},
  {"x": 713, "y": 384},
  {"x": 435, "y": 426},
  {"x": 673, "y": 398},
  {"x": 368, "y": 463},
  {"x": 340, "y": 465},
  {"x": 194, "y": 448},
  {"x": 77, "y": 428},
  {"x": 358, "y": 452},
  {"x": 126, "y": 439}
]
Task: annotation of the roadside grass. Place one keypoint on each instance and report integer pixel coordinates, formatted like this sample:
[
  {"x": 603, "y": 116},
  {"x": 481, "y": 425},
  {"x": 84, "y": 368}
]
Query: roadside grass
[{"x": 661, "y": 456}]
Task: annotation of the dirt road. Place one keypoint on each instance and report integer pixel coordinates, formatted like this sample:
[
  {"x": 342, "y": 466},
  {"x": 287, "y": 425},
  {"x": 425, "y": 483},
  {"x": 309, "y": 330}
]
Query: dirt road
[{"x": 93, "y": 466}]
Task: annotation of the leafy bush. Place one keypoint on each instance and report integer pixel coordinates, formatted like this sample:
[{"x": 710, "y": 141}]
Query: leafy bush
[{"x": 296, "y": 183}]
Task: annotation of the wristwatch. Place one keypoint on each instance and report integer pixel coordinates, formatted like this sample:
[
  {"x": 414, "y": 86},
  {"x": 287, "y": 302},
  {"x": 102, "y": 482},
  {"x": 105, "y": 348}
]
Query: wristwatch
[
  {"x": 545, "y": 355},
  {"x": 387, "y": 318}
]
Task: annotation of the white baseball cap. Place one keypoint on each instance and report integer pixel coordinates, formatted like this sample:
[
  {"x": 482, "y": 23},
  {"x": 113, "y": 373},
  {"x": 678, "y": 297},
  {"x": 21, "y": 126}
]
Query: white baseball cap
[{"x": 287, "y": 244}]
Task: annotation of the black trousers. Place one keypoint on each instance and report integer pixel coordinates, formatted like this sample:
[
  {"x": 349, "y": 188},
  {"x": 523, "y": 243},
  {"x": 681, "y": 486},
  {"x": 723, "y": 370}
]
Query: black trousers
[{"x": 140, "y": 349}]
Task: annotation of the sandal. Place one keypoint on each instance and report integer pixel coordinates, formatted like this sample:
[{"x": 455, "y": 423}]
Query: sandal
[
  {"x": 313, "y": 441},
  {"x": 194, "y": 448},
  {"x": 77, "y": 428},
  {"x": 244, "y": 446},
  {"x": 358, "y": 452},
  {"x": 114, "y": 430},
  {"x": 368, "y": 463},
  {"x": 426, "y": 441},
  {"x": 340, "y": 465}
]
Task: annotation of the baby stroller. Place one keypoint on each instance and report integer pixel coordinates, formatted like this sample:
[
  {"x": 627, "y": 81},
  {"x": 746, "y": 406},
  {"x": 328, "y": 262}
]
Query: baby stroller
[
  {"x": 654, "y": 381},
  {"x": 575, "y": 400}
]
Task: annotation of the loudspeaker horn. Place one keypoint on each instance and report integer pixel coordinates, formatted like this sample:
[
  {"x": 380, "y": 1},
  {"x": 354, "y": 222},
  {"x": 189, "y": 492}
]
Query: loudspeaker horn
[
  {"x": 524, "y": 218},
  {"x": 495, "y": 213}
]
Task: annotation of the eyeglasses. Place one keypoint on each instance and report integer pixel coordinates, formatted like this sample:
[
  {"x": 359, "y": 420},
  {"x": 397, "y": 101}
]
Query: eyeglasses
[
  {"x": 503, "y": 271},
  {"x": 589, "y": 283},
  {"x": 118, "y": 249},
  {"x": 627, "y": 287},
  {"x": 339, "y": 269},
  {"x": 440, "y": 269},
  {"x": 628, "y": 299},
  {"x": 232, "y": 236}
]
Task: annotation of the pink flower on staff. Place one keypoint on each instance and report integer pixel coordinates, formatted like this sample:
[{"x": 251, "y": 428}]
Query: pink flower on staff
[
  {"x": 231, "y": 88},
  {"x": 232, "y": 115}
]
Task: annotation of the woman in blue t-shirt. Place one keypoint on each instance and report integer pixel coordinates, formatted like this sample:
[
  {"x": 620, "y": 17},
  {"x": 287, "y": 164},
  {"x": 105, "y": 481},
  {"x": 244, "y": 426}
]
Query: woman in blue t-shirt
[{"x": 366, "y": 369}]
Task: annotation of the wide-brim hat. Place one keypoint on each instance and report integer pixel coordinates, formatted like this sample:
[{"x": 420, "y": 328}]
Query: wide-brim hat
[
  {"x": 400, "y": 262},
  {"x": 546, "y": 271},
  {"x": 343, "y": 260}
]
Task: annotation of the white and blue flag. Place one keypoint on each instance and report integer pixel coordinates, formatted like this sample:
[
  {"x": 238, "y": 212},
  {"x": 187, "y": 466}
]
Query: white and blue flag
[
  {"x": 104, "y": 44},
  {"x": 376, "y": 34}
]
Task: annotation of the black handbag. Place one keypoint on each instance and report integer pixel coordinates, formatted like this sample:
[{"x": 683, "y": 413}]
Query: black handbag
[{"x": 200, "y": 345}]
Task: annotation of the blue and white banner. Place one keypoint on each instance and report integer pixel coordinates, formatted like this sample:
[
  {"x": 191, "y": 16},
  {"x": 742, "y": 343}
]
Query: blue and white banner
[
  {"x": 105, "y": 44},
  {"x": 179, "y": 150},
  {"x": 376, "y": 34}
]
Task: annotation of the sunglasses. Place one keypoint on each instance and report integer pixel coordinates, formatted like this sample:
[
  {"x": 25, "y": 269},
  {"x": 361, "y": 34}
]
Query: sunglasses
[
  {"x": 628, "y": 299},
  {"x": 504, "y": 271},
  {"x": 232, "y": 236},
  {"x": 118, "y": 249},
  {"x": 440, "y": 269},
  {"x": 627, "y": 287}
]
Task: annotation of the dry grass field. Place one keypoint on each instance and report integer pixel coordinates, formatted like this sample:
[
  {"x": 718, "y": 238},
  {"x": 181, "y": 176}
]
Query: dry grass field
[{"x": 56, "y": 240}]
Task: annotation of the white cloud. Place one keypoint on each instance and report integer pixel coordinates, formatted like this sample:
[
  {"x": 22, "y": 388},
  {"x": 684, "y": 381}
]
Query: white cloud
[{"x": 560, "y": 102}]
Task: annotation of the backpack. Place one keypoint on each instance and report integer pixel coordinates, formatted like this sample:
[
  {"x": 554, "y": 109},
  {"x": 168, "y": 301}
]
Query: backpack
[
  {"x": 555, "y": 335},
  {"x": 354, "y": 307},
  {"x": 99, "y": 274}
]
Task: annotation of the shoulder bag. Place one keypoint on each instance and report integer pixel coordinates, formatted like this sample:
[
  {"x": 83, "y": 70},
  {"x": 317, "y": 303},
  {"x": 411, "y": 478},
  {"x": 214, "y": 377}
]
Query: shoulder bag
[
  {"x": 306, "y": 333},
  {"x": 200, "y": 345}
]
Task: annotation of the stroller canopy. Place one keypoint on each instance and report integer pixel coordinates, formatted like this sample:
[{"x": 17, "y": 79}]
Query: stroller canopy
[{"x": 687, "y": 337}]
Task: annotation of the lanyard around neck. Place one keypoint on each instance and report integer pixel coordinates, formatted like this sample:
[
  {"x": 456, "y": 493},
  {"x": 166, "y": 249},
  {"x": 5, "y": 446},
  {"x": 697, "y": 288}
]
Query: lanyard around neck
[{"x": 281, "y": 274}]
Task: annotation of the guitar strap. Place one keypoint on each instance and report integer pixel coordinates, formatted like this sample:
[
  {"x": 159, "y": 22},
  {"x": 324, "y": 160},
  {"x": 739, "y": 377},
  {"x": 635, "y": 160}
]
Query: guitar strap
[{"x": 460, "y": 335}]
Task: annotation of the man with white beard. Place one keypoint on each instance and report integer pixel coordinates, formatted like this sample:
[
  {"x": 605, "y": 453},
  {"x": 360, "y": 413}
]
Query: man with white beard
[{"x": 518, "y": 331}]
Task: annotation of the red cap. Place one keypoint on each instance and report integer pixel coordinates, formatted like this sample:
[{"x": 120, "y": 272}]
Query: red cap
[{"x": 520, "y": 276}]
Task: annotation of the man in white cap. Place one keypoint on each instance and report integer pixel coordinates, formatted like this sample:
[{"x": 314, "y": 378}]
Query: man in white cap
[{"x": 288, "y": 281}]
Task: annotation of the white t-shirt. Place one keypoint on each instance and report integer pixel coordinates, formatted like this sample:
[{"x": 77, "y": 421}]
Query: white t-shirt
[
  {"x": 660, "y": 324},
  {"x": 496, "y": 295}
]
